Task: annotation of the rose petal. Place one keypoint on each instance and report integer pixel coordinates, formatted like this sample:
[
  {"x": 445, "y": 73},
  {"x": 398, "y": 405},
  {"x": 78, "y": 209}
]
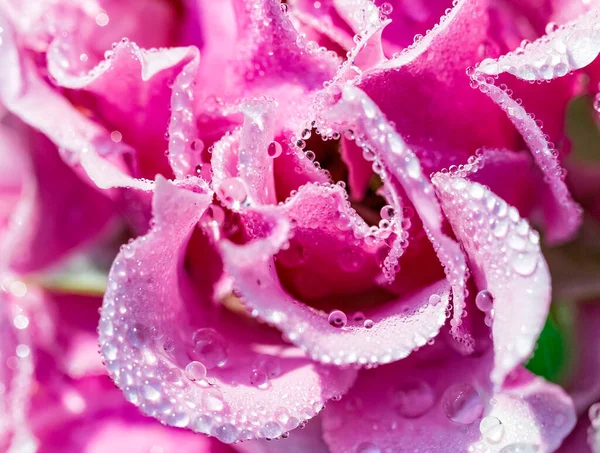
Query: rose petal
[
  {"x": 530, "y": 411},
  {"x": 255, "y": 278},
  {"x": 226, "y": 409},
  {"x": 56, "y": 211},
  {"x": 368, "y": 122},
  {"x": 506, "y": 260},
  {"x": 25, "y": 94}
]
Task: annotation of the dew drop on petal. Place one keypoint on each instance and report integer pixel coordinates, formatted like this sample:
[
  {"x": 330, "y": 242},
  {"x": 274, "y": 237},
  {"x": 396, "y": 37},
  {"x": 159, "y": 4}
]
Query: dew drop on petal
[
  {"x": 337, "y": 318},
  {"x": 274, "y": 149},
  {"x": 524, "y": 264},
  {"x": 387, "y": 212},
  {"x": 210, "y": 347},
  {"x": 462, "y": 404},
  {"x": 259, "y": 378},
  {"x": 226, "y": 433},
  {"x": 484, "y": 300},
  {"x": 434, "y": 299},
  {"x": 195, "y": 371},
  {"x": 232, "y": 192},
  {"x": 413, "y": 398},
  {"x": 359, "y": 316},
  {"x": 492, "y": 429},
  {"x": 368, "y": 324}
]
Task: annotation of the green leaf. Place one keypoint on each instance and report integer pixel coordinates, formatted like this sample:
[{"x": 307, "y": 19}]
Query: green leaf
[{"x": 551, "y": 358}]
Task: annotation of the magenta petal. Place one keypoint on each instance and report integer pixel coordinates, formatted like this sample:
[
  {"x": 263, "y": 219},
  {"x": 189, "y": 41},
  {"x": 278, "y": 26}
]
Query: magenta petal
[
  {"x": 56, "y": 211},
  {"x": 530, "y": 411},
  {"x": 28, "y": 96},
  {"x": 506, "y": 260},
  {"x": 148, "y": 320},
  {"x": 368, "y": 122},
  {"x": 397, "y": 327}
]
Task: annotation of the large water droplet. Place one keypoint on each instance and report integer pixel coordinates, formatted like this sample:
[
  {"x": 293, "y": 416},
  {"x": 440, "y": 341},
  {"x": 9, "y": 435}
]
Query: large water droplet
[
  {"x": 462, "y": 404},
  {"x": 269, "y": 364},
  {"x": 521, "y": 447},
  {"x": 232, "y": 192},
  {"x": 582, "y": 47},
  {"x": 492, "y": 429},
  {"x": 274, "y": 149},
  {"x": 226, "y": 433},
  {"x": 337, "y": 318},
  {"x": 413, "y": 398},
  {"x": 259, "y": 378},
  {"x": 210, "y": 347},
  {"x": 195, "y": 371},
  {"x": 484, "y": 300},
  {"x": 524, "y": 264}
]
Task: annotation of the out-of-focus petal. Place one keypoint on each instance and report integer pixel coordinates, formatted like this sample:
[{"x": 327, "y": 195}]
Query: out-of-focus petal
[
  {"x": 56, "y": 211},
  {"x": 407, "y": 405}
]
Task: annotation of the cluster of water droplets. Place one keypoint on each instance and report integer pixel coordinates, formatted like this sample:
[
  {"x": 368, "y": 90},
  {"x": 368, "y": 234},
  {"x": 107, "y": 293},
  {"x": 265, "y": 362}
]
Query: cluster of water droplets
[
  {"x": 339, "y": 320},
  {"x": 559, "y": 52}
]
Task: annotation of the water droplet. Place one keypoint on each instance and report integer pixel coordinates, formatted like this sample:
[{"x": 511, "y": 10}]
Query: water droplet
[
  {"x": 151, "y": 391},
  {"x": 337, "y": 318},
  {"x": 212, "y": 400},
  {"x": 195, "y": 371},
  {"x": 368, "y": 324},
  {"x": 269, "y": 364},
  {"x": 524, "y": 264},
  {"x": 226, "y": 433},
  {"x": 413, "y": 398},
  {"x": 137, "y": 335},
  {"x": 367, "y": 447},
  {"x": 386, "y": 8},
  {"x": 484, "y": 300},
  {"x": 210, "y": 347},
  {"x": 274, "y": 149},
  {"x": 520, "y": 447},
  {"x": 462, "y": 404},
  {"x": 434, "y": 299},
  {"x": 197, "y": 145},
  {"x": 387, "y": 212},
  {"x": 259, "y": 378},
  {"x": 491, "y": 428},
  {"x": 232, "y": 192}
]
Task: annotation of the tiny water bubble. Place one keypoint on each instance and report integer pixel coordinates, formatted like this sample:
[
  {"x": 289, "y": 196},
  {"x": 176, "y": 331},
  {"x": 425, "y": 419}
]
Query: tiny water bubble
[{"x": 337, "y": 318}]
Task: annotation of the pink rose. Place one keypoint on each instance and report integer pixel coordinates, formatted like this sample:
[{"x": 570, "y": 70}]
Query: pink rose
[{"x": 333, "y": 210}]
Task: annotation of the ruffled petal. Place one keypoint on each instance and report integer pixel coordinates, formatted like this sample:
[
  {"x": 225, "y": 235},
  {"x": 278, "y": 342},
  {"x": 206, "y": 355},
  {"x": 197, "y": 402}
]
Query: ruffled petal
[
  {"x": 506, "y": 260},
  {"x": 431, "y": 70},
  {"x": 29, "y": 97},
  {"x": 394, "y": 159},
  {"x": 56, "y": 210},
  {"x": 147, "y": 349},
  {"x": 411, "y": 405}
]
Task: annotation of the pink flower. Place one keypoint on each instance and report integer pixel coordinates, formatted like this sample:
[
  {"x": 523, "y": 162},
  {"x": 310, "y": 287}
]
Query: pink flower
[{"x": 332, "y": 208}]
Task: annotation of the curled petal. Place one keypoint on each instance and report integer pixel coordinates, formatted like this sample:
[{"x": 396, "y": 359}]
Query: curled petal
[
  {"x": 394, "y": 330},
  {"x": 505, "y": 259},
  {"x": 365, "y": 118},
  {"x": 412, "y": 409},
  {"x": 563, "y": 215},
  {"x": 149, "y": 317}
]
